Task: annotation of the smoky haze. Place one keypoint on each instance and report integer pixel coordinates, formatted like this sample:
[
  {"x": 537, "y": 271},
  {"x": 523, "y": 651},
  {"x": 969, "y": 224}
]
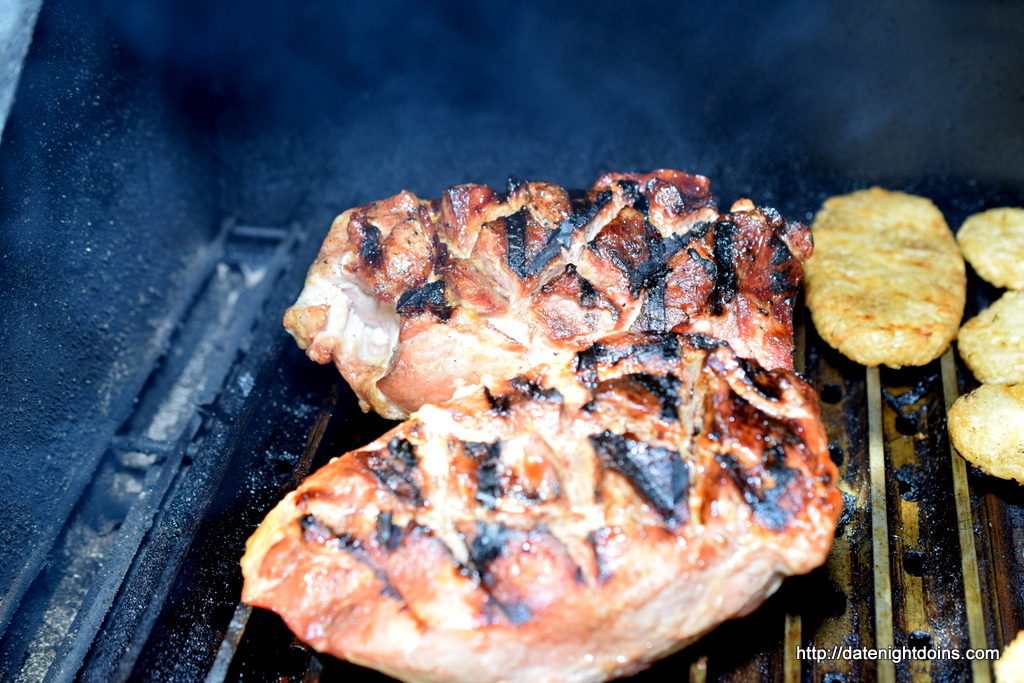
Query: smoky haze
[{"x": 872, "y": 90}]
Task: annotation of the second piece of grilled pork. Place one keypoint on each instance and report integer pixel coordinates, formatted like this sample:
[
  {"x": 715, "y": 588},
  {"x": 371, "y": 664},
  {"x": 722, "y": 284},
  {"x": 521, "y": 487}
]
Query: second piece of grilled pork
[
  {"x": 413, "y": 299},
  {"x": 573, "y": 524}
]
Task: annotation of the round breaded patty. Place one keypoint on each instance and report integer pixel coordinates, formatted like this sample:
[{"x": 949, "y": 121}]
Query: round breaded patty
[
  {"x": 993, "y": 243},
  {"x": 987, "y": 428},
  {"x": 992, "y": 343},
  {"x": 1010, "y": 665},
  {"x": 886, "y": 284}
]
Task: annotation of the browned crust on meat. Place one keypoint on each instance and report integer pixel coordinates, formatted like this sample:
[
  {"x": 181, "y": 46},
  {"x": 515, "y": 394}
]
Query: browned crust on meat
[
  {"x": 544, "y": 271},
  {"x": 576, "y": 522}
]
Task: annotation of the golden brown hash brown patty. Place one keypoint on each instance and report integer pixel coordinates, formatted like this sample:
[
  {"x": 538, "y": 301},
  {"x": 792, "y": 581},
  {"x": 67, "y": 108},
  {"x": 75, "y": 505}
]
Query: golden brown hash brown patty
[
  {"x": 993, "y": 242},
  {"x": 886, "y": 284},
  {"x": 992, "y": 342},
  {"x": 987, "y": 428}
]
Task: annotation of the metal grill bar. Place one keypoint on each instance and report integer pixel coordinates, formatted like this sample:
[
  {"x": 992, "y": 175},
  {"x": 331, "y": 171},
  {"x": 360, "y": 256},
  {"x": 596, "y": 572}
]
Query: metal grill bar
[
  {"x": 240, "y": 619},
  {"x": 965, "y": 525},
  {"x": 879, "y": 526},
  {"x": 793, "y": 627},
  {"x": 228, "y": 646}
]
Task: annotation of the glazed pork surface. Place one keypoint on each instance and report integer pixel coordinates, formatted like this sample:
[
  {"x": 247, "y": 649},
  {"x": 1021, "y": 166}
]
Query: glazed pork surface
[
  {"x": 414, "y": 300},
  {"x": 574, "y": 523}
]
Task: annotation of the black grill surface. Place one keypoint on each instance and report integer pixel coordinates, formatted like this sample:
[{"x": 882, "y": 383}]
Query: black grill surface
[{"x": 169, "y": 169}]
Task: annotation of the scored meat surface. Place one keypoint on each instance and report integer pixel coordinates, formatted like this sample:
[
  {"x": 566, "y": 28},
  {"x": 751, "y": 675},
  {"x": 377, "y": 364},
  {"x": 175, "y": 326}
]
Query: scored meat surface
[
  {"x": 573, "y": 524},
  {"x": 415, "y": 299}
]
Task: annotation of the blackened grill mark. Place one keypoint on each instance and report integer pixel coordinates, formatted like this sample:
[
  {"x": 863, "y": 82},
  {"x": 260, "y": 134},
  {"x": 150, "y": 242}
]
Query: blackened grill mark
[
  {"x": 523, "y": 387},
  {"x": 774, "y": 457},
  {"x": 704, "y": 342},
  {"x": 781, "y": 282},
  {"x": 487, "y": 546},
  {"x": 430, "y": 298},
  {"x": 641, "y": 204},
  {"x": 665, "y": 388},
  {"x": 515, "y": 242},
  {"x": 440, "y": 255},
  {"x": 389, "y": 536},
  {"x": 584, "y": 211},
  {"x": 725, "y": 262},
  {"x": 707, "y": 264},
  {"x": 780, "y": 251},
  {"x": 395, "y": 481},
  {"x": 403, "y": 451},
  {"x": 661, "y": 346},
  {"x": 515, "y": 245},
  {"x": 499, "y": 404},
  {"x": 759, "y": 379},
  {"x": 657, "y": 346},
  {"x": 765, "y": 502},
  {"x": 556, "y": 240},
  {"x": 517, "y": 612},
  {"x": 533, "y": 391},
  {"x": 588, "y": 294},
  {"x": 586, "y": 364},
  {"x": 647, "y": 274},
  {"x": 596, "y": 539},
  {"x": 633, "y": 196},
  {"x": 370, "y": 250},
  {"x": 658, "y": 474},
  {"x": 315, "y": 531},
  {"x": 697, "y": 232},
  {"x": 674, "y": 243},
  {"x": 395, "y": 473},
  {"x": 488, "y": 473},
  {"x": 630, "y": 189},
  {"x": 653, "y": 311}
]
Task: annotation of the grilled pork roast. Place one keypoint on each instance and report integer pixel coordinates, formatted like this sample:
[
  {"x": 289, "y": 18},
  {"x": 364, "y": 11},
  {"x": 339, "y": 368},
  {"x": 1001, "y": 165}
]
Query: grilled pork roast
[
  {"x": 573, "y": 524},
  {"x": 413, "y": 299}
]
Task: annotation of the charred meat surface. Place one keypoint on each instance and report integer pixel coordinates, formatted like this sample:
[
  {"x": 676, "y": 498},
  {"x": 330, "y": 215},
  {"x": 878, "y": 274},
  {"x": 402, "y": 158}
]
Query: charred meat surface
[
  {"x": 413, "y": 299},
  {"x": 575, "y": 523}
]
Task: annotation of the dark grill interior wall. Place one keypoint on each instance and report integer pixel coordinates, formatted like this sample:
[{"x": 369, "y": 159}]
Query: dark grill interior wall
[
  {"x": 108, "y": 190},
  {"x": 139, "y": 129}
]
